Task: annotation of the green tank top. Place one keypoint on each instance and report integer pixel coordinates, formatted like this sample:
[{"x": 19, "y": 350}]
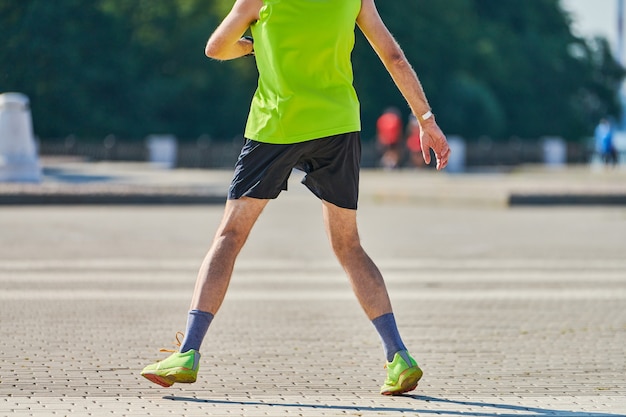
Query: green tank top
[{"x": 305, "y": 91}]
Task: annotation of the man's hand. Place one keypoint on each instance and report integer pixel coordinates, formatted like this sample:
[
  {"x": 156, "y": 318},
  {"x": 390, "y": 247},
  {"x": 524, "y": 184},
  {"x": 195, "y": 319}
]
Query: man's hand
[{"x": 433, "y": 138}]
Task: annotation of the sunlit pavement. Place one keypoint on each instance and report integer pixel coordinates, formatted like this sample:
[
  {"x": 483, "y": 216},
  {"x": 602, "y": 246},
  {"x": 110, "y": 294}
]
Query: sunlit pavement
[{"x": 510, "y": 310}]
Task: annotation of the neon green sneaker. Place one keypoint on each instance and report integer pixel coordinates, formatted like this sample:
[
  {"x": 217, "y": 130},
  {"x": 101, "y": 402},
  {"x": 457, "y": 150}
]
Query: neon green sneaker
[
  {"x": 402, "y": 374},
  {"x": 178, "y": 367}
]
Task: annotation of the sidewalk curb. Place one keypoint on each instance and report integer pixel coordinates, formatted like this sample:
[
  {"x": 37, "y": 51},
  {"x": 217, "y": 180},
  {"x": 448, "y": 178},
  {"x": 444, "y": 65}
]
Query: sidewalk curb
[
  {"x": 134, "y": 198},
  {"x": 566, "y": 200},
  {"x": 157, "y": 198}
]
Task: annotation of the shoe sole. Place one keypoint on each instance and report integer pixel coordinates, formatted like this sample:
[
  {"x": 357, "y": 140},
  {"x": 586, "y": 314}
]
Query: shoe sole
[
  {"x": 182, "y": 376},
  {"x": 407, "y": 381}
]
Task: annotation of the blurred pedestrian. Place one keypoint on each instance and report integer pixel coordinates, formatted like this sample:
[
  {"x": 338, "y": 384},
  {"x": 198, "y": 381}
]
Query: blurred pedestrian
[
  {"x": 388, "y": 136},
  {"x": 604, "y": 145}
]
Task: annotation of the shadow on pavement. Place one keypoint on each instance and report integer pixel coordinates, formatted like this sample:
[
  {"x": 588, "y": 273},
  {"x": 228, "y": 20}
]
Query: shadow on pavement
[
  {"x": 68, "y": 176},
  {"x": 491, "y": 409}
]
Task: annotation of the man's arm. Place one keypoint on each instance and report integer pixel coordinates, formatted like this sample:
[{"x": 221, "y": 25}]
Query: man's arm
[
  {"x": 406, "y": 79},
  {"x": 227, "y": 42}
]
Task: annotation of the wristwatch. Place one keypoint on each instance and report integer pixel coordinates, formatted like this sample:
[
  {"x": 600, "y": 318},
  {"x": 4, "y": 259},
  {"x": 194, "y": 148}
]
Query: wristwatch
[
  {"x": 252, "y": 41},
  {"x": 425, "y": 116}
]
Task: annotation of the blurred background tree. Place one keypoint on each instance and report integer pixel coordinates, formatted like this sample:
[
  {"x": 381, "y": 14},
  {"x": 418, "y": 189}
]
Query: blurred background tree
[{"x": 490, "y": 68}]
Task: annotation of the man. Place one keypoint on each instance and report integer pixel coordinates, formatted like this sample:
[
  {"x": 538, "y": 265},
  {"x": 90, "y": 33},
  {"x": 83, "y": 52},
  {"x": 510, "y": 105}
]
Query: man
[
  {"x": 604, "y": 143},
  {"x": 304, "y": 114}
]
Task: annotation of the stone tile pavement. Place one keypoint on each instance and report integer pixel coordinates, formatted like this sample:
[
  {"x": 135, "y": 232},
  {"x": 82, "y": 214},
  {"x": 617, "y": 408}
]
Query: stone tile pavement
[{"x": 510, "y": 311}]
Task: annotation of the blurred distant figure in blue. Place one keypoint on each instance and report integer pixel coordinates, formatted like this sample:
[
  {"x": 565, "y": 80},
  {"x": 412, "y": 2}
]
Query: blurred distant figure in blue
[{"x": 604, "y": 143}]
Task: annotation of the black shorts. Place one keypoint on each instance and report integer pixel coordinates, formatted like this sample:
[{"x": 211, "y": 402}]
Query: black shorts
[{"x": 331, "y": 165}]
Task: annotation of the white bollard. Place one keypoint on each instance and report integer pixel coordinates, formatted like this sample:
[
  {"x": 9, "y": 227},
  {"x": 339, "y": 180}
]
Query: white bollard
[
  {"x": 162, "y": 150},
  {"x": 456, "y": 163},
  {"x": 554, "y": 152},
  {"x": 19, "y": 161}
]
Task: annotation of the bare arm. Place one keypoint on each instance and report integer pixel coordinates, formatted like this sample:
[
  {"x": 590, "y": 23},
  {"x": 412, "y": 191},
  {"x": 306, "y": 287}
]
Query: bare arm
[
  {"x": 227, "y": 42},
  {"x": 406, "y": 80}
]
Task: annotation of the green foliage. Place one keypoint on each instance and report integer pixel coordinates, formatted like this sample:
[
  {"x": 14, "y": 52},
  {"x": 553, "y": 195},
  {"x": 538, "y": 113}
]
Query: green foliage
[
  {"x": 490, "y": 67},
  {"x": 501, "y": 68}
]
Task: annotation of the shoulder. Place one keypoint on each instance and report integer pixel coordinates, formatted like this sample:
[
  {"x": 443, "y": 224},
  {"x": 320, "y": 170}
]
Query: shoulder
[
  {"x": 368, "y": 9},
  {"x": 248, "y": 8},
  {"x": 370, "y": 22}
]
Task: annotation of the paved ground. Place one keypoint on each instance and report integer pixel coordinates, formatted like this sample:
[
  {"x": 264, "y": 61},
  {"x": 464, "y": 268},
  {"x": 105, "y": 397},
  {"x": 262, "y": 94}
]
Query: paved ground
[{"x": 510, "y": 311}]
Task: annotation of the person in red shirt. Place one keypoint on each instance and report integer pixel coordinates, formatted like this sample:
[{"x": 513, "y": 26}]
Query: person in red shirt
[{"x": 389, "y": 133}]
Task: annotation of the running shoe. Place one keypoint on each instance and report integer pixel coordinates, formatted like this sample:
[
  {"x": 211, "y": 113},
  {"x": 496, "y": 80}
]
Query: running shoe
[
  {"x": 403, "y": 374},
  {"x": 178, "y": 367}
]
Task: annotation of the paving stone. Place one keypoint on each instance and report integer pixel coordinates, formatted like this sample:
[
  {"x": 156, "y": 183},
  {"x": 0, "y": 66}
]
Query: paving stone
[{"x": 509, "y": 311}]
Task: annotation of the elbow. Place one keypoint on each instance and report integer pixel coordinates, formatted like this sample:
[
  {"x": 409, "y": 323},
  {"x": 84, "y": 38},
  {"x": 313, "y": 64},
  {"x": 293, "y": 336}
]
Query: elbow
[
  {"x": 392, "y": 55},
  {"x": 211, "y": 51},
  {"x": 397, "y": 63},
  {"x": 397, "y": 59}
]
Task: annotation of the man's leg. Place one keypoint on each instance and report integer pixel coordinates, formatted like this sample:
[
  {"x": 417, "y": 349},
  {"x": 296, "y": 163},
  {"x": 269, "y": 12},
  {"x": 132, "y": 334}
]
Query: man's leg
[
  {"x": 210, "y": 290},
  {"x": 365, "y": 277},
  {"x": 217, "y": 267},
  {"x": 368, "y": 285}
]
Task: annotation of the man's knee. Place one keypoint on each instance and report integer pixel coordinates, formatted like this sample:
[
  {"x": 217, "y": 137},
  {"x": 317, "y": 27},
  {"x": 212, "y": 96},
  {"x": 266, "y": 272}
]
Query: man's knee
[
  {"x": 239, "y": 218},
  {"x": 231, "y": 237},
  {"x": 346, "y": 246}
]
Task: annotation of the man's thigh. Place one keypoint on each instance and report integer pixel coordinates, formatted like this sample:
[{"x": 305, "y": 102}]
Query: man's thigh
[{"x": 241, "y": 214}]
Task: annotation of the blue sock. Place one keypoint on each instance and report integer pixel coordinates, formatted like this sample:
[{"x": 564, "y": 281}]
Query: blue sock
[
  {"x": 388, "y": 332},
  {"x": 197, "y": 325}
]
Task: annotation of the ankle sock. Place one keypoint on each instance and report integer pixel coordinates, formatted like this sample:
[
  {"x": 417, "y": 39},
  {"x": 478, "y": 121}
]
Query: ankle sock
[
  {"x": 389, "y": 335},
  {"x": 197, "y": 325}
]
